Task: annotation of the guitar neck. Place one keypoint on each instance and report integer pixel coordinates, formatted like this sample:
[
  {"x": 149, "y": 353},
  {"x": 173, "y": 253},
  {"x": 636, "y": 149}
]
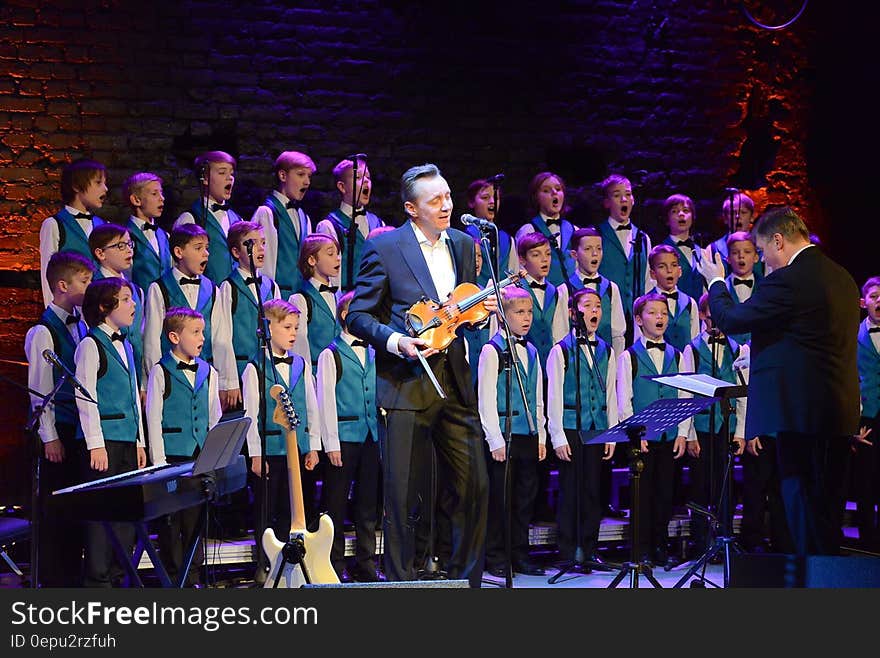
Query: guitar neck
[
  {"x": 476, "y": 298},
  {"x": 297, "y": 510}
]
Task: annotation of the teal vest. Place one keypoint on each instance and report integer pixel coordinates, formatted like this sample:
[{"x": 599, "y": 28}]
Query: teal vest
[
  {"x": 606, "y": 294},
  {"x": 594, "y": 412},
  {"x": 505, "y": 245},
  {"x": 559, "y": 251},
  {"x": 220, "y": 263},
  {"x": 742, "y": 339},
  {"x": 323, "y": 324},
  {"x": 646, "y": 391},
  {"x": 287, "y": 274},
  {"x": 244, "y": 313},
  {"x": 678, "y": 331},
  {"x": 869, "y": 374},
  {"x": 172, "y": 295},
  {"x": 65, "y": 347},
  {"x": 117, "y": 390},
  {"x": 71, "y": 237},
  {"x": 185, "y": 409},
  {"x": 355, "y": 393},
  {"x": 275, "y": 434},
  {"x": 703, "y": 364},
  {"x": 134, "y": 333},
  {"x": 475, "y": 339},
  {"x": 541, "y": 332},
  {"x": 148, "y": 265},
  {"x": 519, "y": 422},
  {"x": 341, "y": 224},
  {"x": 616, "y": 266}
]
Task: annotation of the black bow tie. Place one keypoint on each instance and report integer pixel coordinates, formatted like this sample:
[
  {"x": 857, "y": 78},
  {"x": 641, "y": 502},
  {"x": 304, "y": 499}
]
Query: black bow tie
[
  {"x": 549, "y": 222},
  {"x": 188, "y": 366},
  {"x": 656, "y": 346},
  {"x": 326, "y": 288},
  {"x": 669, "y": 295},
  {"x": 72, "y": 319},
  {"x": 520, "y": 341},
  {"x": 535, "y": 284},
  {"x": 82, "y": 215},
  {"x": 587, "y": 280},
  {"x": 281, "y": 359},
  {"x": 624, "y": 227},
  {"x": 189, "y": 282},
  {"x": 716, "y": 340},
  {"x": 117, "y": 336},
  {"x": 743, "y": 282},
  {"x": 251, "y": 280},
  {"x": 685, "y": 243},
  {"x": 872, "y": 330},
  {"x": 148, "y": 226},
  {"x": 359, "y": 343},
  {"x": 586, "y": 341},
  {"x": 359, "y": 211},
  {"x": 219, "y": 206},
  {"x": 293, "y": 203}
]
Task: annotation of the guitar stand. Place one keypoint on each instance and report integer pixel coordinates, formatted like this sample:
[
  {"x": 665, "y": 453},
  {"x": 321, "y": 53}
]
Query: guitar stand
[
  {"x": 293, "y": 553},
  {"x": 635, "y": 566}
]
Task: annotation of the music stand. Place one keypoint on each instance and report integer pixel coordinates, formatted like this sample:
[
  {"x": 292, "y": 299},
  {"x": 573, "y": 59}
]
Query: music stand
[
  {"x": 649, "y": 423},
  {"x": 723, "y": 391}
]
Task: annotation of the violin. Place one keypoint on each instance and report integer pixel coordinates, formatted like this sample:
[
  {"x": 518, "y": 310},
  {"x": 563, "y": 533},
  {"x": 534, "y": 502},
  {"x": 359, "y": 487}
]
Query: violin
[{"x": 437, "y": 323}]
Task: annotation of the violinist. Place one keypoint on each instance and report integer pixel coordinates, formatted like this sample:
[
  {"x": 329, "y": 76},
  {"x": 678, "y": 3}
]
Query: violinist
[{"x": 424, "y": 258}]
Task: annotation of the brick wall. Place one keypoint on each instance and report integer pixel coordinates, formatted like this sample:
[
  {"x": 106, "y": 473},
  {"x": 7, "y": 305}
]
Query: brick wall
[{"x": 688, "y": 94}]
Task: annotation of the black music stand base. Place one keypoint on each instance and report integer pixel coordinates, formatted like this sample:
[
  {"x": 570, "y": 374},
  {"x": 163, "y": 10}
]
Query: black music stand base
[{"x": 725, "y": 545}]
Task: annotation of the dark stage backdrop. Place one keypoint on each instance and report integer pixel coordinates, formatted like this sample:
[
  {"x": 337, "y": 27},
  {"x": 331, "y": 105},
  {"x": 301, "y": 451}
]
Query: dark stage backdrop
[{"x": 683, "y": 97}]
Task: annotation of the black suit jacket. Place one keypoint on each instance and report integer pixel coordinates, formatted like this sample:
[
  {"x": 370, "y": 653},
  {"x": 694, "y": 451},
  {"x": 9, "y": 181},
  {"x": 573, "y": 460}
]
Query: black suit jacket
[
  {"x": 393, "y": 276},
  {"x": 804, "y": 320}
]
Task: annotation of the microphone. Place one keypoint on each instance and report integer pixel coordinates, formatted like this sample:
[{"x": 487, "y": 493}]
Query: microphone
[
  {"x": 357, "y": 156},
  {"x": 497, "y": 178},
  {"x": 50, "y": 357},
  {"x": 470, "y": 220},
  {"x": 249, "y": 243},
  {"x": 731, "y": 190}
]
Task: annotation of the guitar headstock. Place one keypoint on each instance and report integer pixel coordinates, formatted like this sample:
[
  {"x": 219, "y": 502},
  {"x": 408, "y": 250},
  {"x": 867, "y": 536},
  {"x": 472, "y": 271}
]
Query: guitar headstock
[{"x": 284, "y": 414}]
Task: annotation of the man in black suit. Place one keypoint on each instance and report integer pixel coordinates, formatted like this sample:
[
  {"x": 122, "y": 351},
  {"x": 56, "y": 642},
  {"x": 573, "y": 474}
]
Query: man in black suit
[
  {"x": 423, "y": 258},
  {"x": 804, "y": 385}
]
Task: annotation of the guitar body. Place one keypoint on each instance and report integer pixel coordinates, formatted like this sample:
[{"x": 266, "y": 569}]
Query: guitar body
[
  {"x": 317, "y": 557},
  {"x": 317, "y": 545}
]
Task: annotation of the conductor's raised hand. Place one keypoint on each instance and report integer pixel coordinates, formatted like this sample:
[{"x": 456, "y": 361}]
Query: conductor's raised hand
[
  {"x": 410, "y": 347},
  {"x": 710, "y": 265}
]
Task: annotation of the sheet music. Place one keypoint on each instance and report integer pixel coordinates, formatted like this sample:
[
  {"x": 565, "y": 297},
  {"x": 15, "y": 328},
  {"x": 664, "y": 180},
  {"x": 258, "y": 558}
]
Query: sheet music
[{"x": 699, "y": 384}]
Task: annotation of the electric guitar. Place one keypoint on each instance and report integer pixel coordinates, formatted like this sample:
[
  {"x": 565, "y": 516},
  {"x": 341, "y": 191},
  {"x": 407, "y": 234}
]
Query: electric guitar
[{"x": 316, "y": 545}]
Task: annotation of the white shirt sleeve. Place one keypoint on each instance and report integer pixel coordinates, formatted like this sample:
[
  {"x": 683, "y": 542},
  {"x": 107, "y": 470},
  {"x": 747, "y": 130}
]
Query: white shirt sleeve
[
  {"x": 301, "y": 344},
  {"x": 649, "y": 282},
  {"x": 540, "y": 416},
  {"x": 250, "y": 391},
  {"x": 154, "y": 317},
  {"x": 560, "y": 315},
  {"x": 41, "y": 378},
  {"x": 221, "y": 345},
  {"x": 215, "y": 411},
  {"x": 154, "y": 405},
  {"x": 695, "y": 319},
  {"x": 611, "y": 391},
  {"x": 312, "y": 408},
  {"x": 624, "y": 386},
  {"x": 326, "y": 385},
  {"x": 86, "y": 359},
  {"x": 49, "y": 238},
  {"x": 618, "y": 321},
  {"x": 685, "y": 428},
  {"x": 555, "y": 396},
  {"x": 263, "y": 216},
  {"x": 487, "y": 396}
]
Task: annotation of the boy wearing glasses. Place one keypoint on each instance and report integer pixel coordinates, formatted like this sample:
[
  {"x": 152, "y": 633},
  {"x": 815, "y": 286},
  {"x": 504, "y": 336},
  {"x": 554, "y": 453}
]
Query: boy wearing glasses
[{"x": 113, "y": 250}]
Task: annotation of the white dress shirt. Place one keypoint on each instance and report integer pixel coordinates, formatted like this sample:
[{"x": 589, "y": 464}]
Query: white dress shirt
[
  {"x": 150, "y": 235},
  {"x": 264, "y": 217}
]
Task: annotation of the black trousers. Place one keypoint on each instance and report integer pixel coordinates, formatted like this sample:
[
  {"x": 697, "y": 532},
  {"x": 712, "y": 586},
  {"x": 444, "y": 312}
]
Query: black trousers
[
  {"x": 102, "y": 567},
  {"x": 276, "y": 501},
  {"x": 590, "y": 459},
  {"x": 174, "y": 534},
  {"x": 360, "y": 466},
  {"x": 762, "y": 500},
  {"x": 523, "y": 489},
  {"x": 707, "y": 474},
  {"x": 866, "y": 484},
  {"x": 812, "y": 470},
  {"x": 655, "y": 497},
  {"x": 454, "y": 429},
  {"x": 61, "y": 539}
]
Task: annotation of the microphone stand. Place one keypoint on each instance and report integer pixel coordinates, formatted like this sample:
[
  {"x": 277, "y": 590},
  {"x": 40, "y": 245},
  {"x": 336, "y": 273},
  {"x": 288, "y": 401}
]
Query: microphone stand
[
  {"x": 351, "y": 237},
  {"x": 509, "y": 359},
  {"x": 496, "y": 197},
  {"x": 638, "y": 244},
  {"x": 263, "y": 344}
]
